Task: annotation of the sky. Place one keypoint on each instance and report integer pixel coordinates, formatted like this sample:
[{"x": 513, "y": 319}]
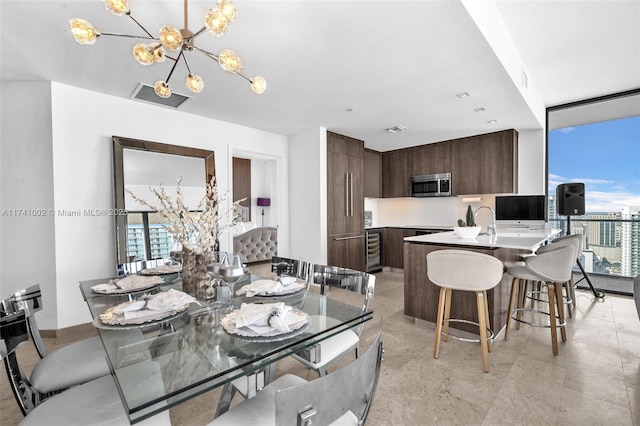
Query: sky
[{"x": 604, "y": 156}]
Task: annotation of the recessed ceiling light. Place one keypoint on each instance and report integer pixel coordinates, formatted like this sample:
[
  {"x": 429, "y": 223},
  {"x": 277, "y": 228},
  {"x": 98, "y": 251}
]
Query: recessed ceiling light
[
  {"x": 396, "y": 129},
  {"x": 492, "y": 121},
  {"x": 479, "y": 109},
  {"x": 463, "y": 95}
]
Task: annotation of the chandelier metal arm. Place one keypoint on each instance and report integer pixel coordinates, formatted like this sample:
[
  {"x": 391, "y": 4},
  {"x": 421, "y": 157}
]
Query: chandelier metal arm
[
  {"x": 174, "y": 66},
  {"x": 215, "y": 58},
  {"x": 128, "y": 13},
  {"x": 200, "y": 31},
  {"x": 184, "y": 58},
  {"x": 209, "y": 54},
  {"x": 150, "y": 37}
]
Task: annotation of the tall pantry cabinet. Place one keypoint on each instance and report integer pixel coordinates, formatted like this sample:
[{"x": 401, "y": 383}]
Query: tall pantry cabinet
[{"x": 345, "y": 202}]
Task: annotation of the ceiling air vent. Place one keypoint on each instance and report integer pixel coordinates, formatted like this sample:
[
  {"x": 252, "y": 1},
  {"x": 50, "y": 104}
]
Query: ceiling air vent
[{"x": 146, "y": 93}]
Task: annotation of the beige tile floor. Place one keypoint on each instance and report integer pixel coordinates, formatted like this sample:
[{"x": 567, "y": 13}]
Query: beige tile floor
[{"x": 594, "y": 380}]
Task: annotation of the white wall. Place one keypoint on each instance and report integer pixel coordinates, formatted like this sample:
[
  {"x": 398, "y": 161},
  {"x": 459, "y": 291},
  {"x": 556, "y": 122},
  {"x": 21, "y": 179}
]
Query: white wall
[
  {"x": 27, "y": 239},
  {"x": 80, "y": 127},
  {"x": 308, "y": 196},
  {"x": 531, "y": 162}
]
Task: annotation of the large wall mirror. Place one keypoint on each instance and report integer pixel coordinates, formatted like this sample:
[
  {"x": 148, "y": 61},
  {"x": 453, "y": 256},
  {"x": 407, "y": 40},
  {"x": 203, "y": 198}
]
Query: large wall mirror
[{"x": 142, "y": 166}]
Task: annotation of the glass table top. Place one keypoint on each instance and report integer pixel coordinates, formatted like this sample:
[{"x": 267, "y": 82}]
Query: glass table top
[{"x": 160, "y": 364}]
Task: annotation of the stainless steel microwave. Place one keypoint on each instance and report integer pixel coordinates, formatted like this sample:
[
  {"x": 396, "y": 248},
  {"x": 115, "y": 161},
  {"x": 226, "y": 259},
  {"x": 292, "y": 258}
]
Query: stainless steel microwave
[{"x": 435, "y": 185}]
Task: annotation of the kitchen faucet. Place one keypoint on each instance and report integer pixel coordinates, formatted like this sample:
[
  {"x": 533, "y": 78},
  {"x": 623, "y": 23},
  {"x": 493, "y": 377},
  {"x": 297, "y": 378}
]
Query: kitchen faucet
[{"x": 491, "y": 229}]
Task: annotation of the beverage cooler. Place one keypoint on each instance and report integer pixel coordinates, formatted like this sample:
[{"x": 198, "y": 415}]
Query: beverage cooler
[{"x": 374, "y": 250}]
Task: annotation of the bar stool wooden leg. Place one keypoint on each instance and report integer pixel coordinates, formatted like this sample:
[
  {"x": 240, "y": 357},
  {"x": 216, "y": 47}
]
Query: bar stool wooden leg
[
  {"x": 567, "y": 288},
  {"x": 512, "y": 297},
  {"x": 560, "y": 303},
  {"x": 441, "y": 303},
  {"x": 522, "y": 294},
  {"x": 552, "y": 316},
  {"x": 447, "y": 314},
  {"x": 481, "y": 301},
  {"x": 486, "y": 315}
]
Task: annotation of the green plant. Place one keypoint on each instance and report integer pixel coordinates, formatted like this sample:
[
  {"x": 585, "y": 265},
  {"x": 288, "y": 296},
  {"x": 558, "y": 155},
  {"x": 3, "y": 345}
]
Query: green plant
[{"x": 470, "y": 219}]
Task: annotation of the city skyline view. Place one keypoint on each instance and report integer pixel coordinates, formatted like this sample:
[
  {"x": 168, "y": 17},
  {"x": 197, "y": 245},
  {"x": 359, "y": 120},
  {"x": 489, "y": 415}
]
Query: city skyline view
[{"x": 604, "y": 156}]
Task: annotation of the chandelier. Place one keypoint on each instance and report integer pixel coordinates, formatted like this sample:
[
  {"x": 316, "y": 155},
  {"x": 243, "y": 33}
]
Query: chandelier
[{"x": 169, "y": 38}]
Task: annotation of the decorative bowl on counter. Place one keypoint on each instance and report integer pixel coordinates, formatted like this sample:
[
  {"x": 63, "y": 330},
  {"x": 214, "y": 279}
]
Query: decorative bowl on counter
[{"x": 467, "y": 231}]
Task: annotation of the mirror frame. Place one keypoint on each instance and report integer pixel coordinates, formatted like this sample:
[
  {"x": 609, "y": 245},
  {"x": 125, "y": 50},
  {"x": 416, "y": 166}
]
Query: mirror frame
[{"x": 119, "y": 144}]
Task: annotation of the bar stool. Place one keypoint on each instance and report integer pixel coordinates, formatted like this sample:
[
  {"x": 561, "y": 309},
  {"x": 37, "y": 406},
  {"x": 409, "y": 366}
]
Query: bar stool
[
  {"x": 578, "y": 241},
  {"x": 464, "y": 271},
  {"x": 553, "y": 267},
  {"x": 535, "y": 294}
]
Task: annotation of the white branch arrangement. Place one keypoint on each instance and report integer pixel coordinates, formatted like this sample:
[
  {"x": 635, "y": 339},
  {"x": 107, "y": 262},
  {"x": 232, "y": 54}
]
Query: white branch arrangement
[{"x": 200, "y": 227}]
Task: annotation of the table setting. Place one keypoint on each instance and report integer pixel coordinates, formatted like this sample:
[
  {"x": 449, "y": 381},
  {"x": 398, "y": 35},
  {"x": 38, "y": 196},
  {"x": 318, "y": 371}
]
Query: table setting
[
  {"x": 265, "y": 320},
  {"x": 128, "y": 284},
  {"x": 283, "y": 285},
  {"x": 162, "y": 270},
  {"x": 149, "y": 308}
]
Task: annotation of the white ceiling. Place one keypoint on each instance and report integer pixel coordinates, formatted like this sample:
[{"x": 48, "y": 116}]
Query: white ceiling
[{"x": 355, "y": 67}]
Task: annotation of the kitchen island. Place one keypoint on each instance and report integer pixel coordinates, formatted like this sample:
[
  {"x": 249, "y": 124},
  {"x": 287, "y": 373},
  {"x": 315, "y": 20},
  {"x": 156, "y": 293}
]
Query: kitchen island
[{"x": 421, "y": 295}]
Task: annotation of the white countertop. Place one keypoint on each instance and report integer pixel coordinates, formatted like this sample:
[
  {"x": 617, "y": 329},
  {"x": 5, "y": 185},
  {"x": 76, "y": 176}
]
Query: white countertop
[{"x": 523, "y": 240}]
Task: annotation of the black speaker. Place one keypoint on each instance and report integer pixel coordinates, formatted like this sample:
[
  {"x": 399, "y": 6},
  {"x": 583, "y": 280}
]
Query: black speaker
[{"x": 570, "y": 199}]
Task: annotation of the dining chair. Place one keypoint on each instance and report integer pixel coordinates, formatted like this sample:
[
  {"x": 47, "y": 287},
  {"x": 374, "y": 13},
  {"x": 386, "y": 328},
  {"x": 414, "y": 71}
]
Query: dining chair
[
  {"x": 58, "y": 370},
  {"x": 342, "y": 397},
  {"x": 93, "y": 403},
  {"x": 359, "y": 285},
  {"x": 247, "y": 386}
]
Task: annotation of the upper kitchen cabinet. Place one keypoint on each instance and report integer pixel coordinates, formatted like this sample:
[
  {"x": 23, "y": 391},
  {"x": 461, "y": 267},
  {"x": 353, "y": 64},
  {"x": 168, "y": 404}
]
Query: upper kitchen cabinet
[
  {"x": 485, "y": 164},
  {"x": 372, "y": 174},
  {"x": 431, "y": 158},
  {"x": 396, "y": 173}
]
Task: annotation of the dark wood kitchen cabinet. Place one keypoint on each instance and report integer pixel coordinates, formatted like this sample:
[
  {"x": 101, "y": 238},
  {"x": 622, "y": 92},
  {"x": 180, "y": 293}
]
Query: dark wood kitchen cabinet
[
  {"x": 431, "y": 158},
  {"x": 396, "y": 173},
  {"x": 372, "y": 174},
  {"x": 345, "y": 202},
  {"x": 485, "y": 164},
  {"x": 393, "y": 246}
]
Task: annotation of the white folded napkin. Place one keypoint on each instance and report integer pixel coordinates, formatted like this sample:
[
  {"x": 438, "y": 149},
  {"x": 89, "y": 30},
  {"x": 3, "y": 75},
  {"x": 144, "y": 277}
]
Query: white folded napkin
[
  {"x": 268, "y": 287},
  {"x": 104, "y": 288},
  {"x": 130, "y": 283},
  {"x": 287, "y": 280},
  {"x": 265, "y": 317},
  {"x": 169, "y": 300},
  {"x": 156, "y": 305},
  {"x": 261, "y": 287},
  {"x": 162, "y": 269}
]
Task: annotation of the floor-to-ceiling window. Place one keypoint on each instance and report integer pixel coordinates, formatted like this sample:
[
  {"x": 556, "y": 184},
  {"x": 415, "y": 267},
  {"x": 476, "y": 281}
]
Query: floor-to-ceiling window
[{"x": 596, "y": 142}]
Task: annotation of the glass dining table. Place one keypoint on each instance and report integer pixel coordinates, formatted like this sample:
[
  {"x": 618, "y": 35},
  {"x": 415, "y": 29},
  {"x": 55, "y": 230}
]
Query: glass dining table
[{"x": 160, "y": 364}]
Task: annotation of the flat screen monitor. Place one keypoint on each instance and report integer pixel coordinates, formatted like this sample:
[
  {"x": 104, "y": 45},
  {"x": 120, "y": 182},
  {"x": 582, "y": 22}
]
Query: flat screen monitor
[{"x": 520, "y": 208}]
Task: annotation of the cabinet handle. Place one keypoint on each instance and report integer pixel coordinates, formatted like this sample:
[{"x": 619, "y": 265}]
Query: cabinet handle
[
  {"x": 351, "y": 194},
  {"x": 349, "y": 238},
  {"x": 346, "y": 193}
]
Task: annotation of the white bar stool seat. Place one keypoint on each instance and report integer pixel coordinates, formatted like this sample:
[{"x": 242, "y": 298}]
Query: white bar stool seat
[{"x": 464, "y": 270}]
